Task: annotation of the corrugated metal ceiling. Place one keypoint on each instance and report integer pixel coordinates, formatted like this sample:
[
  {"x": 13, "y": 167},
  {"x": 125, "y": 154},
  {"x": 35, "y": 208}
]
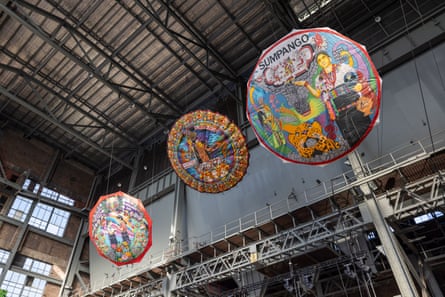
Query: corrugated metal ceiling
[{"x": 99, "y": 78}]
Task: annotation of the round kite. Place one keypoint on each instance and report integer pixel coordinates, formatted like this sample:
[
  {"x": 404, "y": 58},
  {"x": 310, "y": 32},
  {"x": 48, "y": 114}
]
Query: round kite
[
  {"x": 120, "y": 228},
  {"x": 313, "y": 96},
  {"x": 207, "y": 151}
]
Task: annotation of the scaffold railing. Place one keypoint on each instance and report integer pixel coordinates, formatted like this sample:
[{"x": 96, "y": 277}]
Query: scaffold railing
[{"x": 399, "y": 158}]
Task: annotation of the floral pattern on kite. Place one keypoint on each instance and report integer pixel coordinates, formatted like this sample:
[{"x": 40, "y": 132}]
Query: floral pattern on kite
[
  {"x": 313, "y": 96},
  {"x": 207, "y": 151},
  {"x": 120, "y": 228}
]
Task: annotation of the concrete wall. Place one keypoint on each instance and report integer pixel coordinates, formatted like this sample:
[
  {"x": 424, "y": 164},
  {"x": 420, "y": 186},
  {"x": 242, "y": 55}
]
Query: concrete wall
[{"x": 412, "y": 103}]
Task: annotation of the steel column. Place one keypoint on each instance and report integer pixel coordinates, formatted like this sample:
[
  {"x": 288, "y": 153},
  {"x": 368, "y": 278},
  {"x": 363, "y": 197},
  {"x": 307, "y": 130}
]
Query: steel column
[{"x": 392, "y": 250}]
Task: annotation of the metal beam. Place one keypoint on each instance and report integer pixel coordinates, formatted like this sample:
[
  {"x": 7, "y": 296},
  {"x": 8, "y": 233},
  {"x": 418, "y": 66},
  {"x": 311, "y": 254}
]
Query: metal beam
[
  {"x": 20, "y": 234},
  {"x": 73, "y": 261},
  {"x": 274, "y": 249},
  {"x": 403, "y": 46},
  {"x": 31, "y": 79},
  {"x": 186, "y": 49},
  {"x": 39, "y": 32},
  {"x": 40, "y": 113},
  {"x": 202, "y": 42},
  {"x": 392, "y": 249},
  {"x": 47, "y": 138},
  {"x": 110, "y": 58},
  {"x": 297, "y": 240}
]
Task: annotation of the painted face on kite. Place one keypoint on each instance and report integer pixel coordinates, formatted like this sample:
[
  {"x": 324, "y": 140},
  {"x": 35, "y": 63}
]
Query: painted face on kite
[{"x": 323, "y": 60}]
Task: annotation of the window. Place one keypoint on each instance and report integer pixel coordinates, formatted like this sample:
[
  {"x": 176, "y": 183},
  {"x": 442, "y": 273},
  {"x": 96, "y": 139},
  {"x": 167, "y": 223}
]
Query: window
[
  {"x": 58, "y": 222},
  {"x": 46, "y": 192},
  {"x": 37, "y": 266},
  {"x": 40, "y": 216},
  {"x": 304, "y": 10},
  {"x": 66, "y": 200},
  {"x": 427, "y": 217},
  {"x": 372, "y": 235},
  {"x": 13, "y": 283},
  {"x": 49, "y": 219},
  {"x": 20, "y": 208},
  {"x": 20, "y": 285},
  {"x": 26, "y": 184},
  {"x": 44, "y": 217},
  {"x": 4, "y": 255},
  {"x": 53, "y": 195},
  {"x": 34, "y": 287}
]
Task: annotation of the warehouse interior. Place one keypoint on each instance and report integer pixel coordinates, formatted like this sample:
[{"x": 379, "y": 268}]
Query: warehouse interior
[{"x": 89, "y": 91}]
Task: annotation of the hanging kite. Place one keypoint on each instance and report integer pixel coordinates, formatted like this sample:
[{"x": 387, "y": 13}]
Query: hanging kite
[
  {"x": 120, "y": 228},
  {"x": 207, "y": 151},
  {"x": 313, "y": 96}
]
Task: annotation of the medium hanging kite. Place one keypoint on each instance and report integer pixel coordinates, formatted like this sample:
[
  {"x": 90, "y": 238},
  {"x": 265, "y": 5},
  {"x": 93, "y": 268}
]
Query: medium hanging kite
[{"x": 207, "y": 151}]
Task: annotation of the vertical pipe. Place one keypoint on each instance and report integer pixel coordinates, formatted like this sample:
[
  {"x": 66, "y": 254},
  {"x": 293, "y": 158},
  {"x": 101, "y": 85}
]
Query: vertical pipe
[
  {"x": 134, "y": 172},
  {"x": 176, "y": 232}
]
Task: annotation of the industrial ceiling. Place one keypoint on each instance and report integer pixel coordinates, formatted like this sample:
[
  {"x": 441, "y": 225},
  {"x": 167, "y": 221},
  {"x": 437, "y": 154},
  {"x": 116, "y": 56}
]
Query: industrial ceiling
[{"x": 103, "y": 79}]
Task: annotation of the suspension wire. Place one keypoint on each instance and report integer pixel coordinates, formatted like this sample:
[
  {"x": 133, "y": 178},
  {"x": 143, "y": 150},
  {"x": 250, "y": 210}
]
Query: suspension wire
[
  {"x": 414, "y": 58},
  {"x": 342, "y": 281},
  {"x": 369, "y": 283},
  {"x": 354, "y": 268},
  {"x": 151, "y": 186},
  {"x": 111, "y": 162},
  {"x": 441, "y": 78},
  {"x": 442, "y": 82},
  {"x": 428, "y": 161}
]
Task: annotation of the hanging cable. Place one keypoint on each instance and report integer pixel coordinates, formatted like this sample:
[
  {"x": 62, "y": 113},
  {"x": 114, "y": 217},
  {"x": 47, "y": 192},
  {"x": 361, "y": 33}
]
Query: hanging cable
[
  {"x": 340, "y": 273},
  {"x": 111, "y": 162},
  {"x": 442, "y": 82},
  {"x": 413, "y": 56}
]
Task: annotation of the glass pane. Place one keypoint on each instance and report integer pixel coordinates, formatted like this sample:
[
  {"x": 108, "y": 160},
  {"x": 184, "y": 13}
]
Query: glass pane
[{"x": 20, "y": 208}]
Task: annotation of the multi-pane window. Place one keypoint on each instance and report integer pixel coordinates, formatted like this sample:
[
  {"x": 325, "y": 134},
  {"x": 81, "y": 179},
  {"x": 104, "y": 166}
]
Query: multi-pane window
[
  {"x": 50, "y": 219},
  {"x": 26, "y": 184},
  {"x": 44, "y": 217},
  {"x": 40, "y": 216},
  {"x": 53, "y": 195},
  {"x": 14, "y": 283},
  {"x": 304, "y": 9},
  {"x": 34, "y": 287},
  {"x": 21, "y": 285},
  {"x": 65, "y": 200},
  {"x": 427, "y": 217},
  {"x": 4, "y": 255},
  {"x": 58, "y": 221},
  {"x": 20, "y": 208},
  {"x": 47, "y": 193},
  {"x": 37, "y": 266}
]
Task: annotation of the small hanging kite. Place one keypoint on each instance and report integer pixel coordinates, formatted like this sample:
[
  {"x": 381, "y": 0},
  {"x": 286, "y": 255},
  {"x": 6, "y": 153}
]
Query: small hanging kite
[{"x": 120, "y": 228}]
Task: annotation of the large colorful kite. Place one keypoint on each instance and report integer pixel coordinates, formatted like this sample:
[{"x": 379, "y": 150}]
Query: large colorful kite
[
  {"x": 207, "y": 151},
  {"x": 313, "y": 96},
  {"x": 120, "y": 228}
]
